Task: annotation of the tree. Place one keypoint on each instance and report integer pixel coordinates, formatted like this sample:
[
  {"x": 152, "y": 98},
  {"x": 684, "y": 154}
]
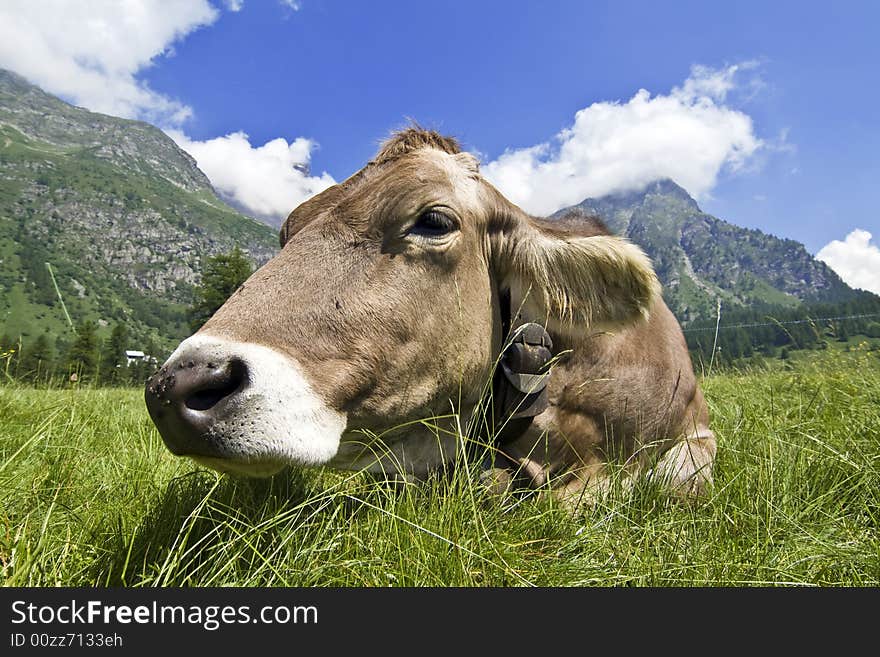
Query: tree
[
  {"x": 41, "y": 288},
  {"x": 113, "y": 360},
  {"x": 37, "y": 360},
  {"x": 223, "y": 274},
  {"x": 83, "y": 355}
]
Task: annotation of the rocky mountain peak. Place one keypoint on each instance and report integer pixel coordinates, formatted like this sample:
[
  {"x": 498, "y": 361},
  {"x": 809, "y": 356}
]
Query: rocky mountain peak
[
  {"x": 133, "y": 146},
  {"x": 123, "y": 216},
  {"x": 700, "y": 258}
]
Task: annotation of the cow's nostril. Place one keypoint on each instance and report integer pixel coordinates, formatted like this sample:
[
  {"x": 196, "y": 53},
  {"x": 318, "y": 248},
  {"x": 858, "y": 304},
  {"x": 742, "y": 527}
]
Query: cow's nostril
[
  {"x": 207, "y": 399},
  {"x": 218, "y": 387}
]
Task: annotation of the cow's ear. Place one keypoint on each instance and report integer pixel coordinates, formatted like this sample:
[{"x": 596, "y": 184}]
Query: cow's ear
[{"x": 572, "y": 282}]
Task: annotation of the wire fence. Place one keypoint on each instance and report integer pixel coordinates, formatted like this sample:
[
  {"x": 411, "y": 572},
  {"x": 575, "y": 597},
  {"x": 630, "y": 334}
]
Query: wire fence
[{"x": 808, "y": 320}]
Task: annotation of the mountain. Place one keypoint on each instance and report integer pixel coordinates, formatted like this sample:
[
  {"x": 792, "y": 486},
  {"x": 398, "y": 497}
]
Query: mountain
[
  {"x": 125, "y": 219},
  {"x": 700, "y": 258},
  {"x": 121, "y": 213}
]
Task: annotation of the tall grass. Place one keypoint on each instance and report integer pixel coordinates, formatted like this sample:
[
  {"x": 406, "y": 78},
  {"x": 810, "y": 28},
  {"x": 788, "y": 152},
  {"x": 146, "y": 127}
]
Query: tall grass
[{"x": 90, "y": 496}]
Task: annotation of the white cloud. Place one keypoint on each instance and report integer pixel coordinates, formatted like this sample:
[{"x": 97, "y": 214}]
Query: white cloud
[
  {"x": 268, "y": 181},
  {"x": 92, "y": 52},
  {"x": 89, "y": 52},
  {"x": 856, "y": 260},
  {"x": 689, "y": 135}
]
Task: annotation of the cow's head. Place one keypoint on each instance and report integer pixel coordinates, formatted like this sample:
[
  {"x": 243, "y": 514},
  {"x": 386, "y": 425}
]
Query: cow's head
[{"x": 382, "y": 309}]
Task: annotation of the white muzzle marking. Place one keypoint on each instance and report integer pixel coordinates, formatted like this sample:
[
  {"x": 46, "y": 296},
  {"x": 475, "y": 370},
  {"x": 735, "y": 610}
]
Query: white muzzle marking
[{"x": 275, "y": 420}]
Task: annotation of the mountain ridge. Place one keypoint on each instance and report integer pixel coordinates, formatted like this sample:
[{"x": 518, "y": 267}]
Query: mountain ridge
[
  {"x": 701, "y": 259},
  {"x": 124, "y": 216},
  {"x": 24, "y": 106}
]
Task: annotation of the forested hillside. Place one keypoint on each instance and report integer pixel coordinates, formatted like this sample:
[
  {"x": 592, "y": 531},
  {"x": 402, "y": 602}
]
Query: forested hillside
[{"x": 103, "y": 221}]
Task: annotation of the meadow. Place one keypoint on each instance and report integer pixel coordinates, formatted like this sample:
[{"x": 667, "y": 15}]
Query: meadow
[{"x": 90, "y": 496}]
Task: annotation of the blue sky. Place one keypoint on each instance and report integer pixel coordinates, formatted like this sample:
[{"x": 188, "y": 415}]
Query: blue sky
[{"x": 767, "y": 112}]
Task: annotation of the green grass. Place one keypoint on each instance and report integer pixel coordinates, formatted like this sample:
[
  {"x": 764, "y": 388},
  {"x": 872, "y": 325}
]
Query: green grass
[{"x": 89, "y": 496}]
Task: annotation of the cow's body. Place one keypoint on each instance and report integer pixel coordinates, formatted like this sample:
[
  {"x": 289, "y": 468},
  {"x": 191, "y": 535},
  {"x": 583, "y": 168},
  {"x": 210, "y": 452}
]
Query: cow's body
[
  {"x": 384, "y": 309},
  {"x": 623, "y": 396}
]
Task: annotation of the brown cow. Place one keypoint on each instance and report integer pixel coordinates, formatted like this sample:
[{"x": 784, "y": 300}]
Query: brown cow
[{"x": 389, "y": 303}]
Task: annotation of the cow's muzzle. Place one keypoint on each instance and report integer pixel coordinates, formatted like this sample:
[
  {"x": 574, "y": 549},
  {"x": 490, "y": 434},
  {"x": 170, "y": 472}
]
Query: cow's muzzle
[
  {"x": 186, "y": 398},
  {"x": 241, "y": 407}
]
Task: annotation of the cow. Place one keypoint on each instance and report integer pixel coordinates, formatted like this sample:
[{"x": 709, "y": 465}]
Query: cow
[{"x": 376, "y": 332}]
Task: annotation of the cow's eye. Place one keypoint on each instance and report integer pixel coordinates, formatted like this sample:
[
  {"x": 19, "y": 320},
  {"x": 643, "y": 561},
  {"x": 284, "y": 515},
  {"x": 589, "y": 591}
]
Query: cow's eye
[{"x": 433, "y": 223}]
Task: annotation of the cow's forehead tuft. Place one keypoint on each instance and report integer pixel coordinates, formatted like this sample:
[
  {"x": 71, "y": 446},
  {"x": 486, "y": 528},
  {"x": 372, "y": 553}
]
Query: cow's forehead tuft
[{"x": 412, "y": 139}]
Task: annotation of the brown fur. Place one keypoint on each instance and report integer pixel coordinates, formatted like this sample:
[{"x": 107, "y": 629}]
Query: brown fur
[
  {"x": 412, "y": 139},
  {"x": 391, "y": 329}
]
